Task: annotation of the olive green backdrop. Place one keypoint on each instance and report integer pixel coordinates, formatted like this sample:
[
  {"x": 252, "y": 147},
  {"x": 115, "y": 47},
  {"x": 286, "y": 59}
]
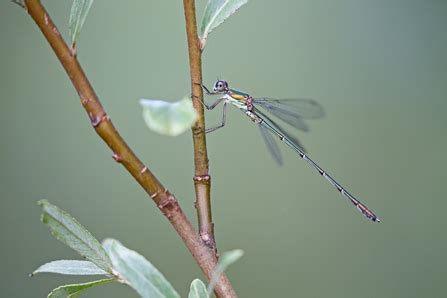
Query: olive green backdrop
[{"x": 379, "y": 68}]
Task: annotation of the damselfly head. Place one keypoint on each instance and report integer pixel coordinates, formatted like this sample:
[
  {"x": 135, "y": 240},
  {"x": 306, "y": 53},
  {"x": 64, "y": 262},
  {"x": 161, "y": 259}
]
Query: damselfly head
[{"x": 220, "y": 86}]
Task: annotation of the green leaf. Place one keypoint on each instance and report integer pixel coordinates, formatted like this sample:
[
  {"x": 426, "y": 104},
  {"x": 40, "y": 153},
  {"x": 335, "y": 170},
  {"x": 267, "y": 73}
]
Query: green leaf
[
  {"x": 78, "y": 15},
  {"x": 138, "y": 272},
  {"x": 69, "y": 231},
  {"x": 227, "y": 258},
  {"x": 216, "y": 12},
  {"x": 70, "y": 267},
  {"x": 198, "y": 289},
  {"x": 168, "y": 118},
  {"x": 75, "y": 289}
]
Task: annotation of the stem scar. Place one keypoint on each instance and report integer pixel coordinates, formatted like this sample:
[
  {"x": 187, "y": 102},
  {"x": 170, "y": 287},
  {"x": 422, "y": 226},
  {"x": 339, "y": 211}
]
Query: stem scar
[
  {"x": 208, "y": 239},
  {"x": 144, "y": 169},
  {"x": 116, "y": 157},
  {"x": 155, "y": 194},
  {"x": 96, "y": 120},
  {"x": 73, "y": 50},
  {"x": 84, "y": 100},
  {"x": 198, "y": 130},
  {"x": 56, "y": 31}
]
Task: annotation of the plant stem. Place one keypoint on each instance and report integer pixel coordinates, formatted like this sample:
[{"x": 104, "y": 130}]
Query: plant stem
[
  {"x": 102, "y": 124},
  {"x": 202, "y": 179}
]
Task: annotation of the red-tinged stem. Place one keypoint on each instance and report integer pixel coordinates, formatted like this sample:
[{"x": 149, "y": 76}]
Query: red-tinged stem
[{"x": 122, "y": 153}]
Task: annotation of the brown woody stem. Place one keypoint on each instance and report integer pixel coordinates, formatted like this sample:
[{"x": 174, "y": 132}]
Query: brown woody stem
[
  {"x": 102, "y": 124},
  {"x": 203, "y": 207},
  {"x": 202, "y": 179}
]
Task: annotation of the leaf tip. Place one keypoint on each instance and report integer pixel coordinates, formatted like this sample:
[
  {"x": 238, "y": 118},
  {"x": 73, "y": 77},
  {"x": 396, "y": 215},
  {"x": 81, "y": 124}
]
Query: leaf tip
[{"x": 43, "y": 203}]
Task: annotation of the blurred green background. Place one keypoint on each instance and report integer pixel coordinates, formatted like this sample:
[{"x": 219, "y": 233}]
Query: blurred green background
[{"x": 379, "y": 68}]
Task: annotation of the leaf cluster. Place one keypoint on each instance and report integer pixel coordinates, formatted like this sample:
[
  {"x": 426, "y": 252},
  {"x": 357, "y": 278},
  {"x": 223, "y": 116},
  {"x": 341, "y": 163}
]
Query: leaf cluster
[{"x": 113, "y": 261}]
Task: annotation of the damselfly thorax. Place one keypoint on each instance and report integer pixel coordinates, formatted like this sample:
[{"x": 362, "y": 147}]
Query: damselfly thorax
[{"x": 241, "y": 100}]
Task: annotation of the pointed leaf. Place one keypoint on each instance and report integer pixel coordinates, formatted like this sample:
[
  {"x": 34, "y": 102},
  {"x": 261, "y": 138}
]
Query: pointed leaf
[
  {"x": 198, "y": 289},
  {"x": 70, "y": 267},
  {"x": 216, "y": 12},
  {"x": 78, "y": 15},
  {"x": 227, "y": 258},
  {"x": 168, "y": 118},
  {"x": 75, "y": 289},
  {"x": 138, "y": 272},
  {"x": 69, "y": 231}
]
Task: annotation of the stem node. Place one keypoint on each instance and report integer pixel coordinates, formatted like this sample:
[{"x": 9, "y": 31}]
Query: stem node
[
  {"x": 202, "y": 179},
  {"x": 97, "y": 120},
  {"x": 168, "y": 205},
  {"x": 208, "y": 239}
]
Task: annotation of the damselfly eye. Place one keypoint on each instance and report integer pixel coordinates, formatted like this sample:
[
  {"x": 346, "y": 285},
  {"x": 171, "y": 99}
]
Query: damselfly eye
[{"x": 220, "y": 86}]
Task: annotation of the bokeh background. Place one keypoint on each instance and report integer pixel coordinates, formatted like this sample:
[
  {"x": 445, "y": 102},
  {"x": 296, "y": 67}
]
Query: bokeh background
[{"x": 379, "y": 68}]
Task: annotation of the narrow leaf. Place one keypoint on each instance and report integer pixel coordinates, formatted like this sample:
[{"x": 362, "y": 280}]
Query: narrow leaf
[
  {"x": 198, "y": 289},
  {"x": 78, "y": 15},
  {"x": 69, "y": 231},
  {"x": 216, "y": 12},
  {"x": 70, "y": 267},
  {"x": 75, "y": 289},
  {"x": 138, "y": 272},
  {"x": 227, "y": 258},
  {"x": 168, "y": 118}
]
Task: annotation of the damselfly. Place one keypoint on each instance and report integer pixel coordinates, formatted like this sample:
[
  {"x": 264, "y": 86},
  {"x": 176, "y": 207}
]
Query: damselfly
[{"x": 292, "y": 112}]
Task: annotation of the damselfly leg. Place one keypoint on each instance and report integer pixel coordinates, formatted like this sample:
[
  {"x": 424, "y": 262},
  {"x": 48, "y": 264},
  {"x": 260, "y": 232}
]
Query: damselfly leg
[
  {"x": 222, "y": 124},
  {"x": 212, "y": 106}
]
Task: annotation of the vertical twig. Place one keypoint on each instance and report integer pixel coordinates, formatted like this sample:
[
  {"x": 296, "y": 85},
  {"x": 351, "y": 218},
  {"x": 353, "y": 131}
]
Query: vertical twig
[
  {"x": 202, "y": 179},
  {"x": 122, "y": 153}
]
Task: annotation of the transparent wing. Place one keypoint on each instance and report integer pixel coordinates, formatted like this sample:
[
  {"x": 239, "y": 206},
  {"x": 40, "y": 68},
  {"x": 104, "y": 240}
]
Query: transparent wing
[
  {"x": 271, "y": 144},
  {"x": 272, "y": 123},
  {"x": 293, "y": 139},
  {"x": 288, "y": 117},
  {"x": 304, "y": 108}
]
